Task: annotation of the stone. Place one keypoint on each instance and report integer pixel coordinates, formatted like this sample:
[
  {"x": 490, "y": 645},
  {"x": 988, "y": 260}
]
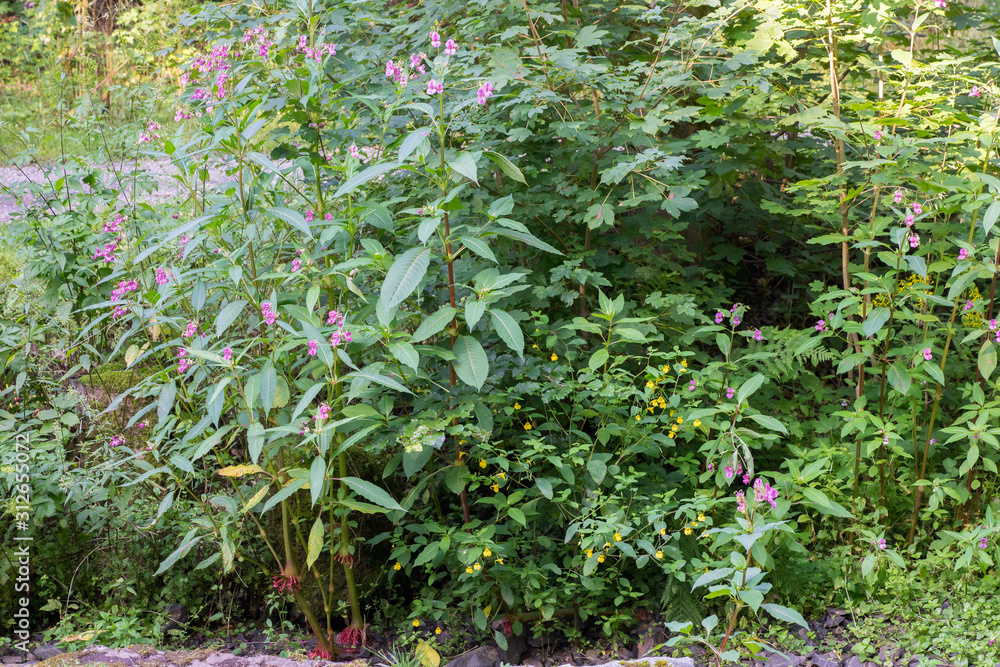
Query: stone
[
  {"x": 46, "y": 651},
  {"x": 824, "y": 659},
  {"x": 833, "y": 621},
  {"x": 13, "y": 659},
  {"x": 650, "y": 640},
  {"x": 786, "y": 660},
  {"x": 516, "y": 648},
  {"x": 853, "y": 661},
  {"x": 121, "y": 655},
  {"x": 889, "y": 654},
  {"x": 534, "y": 662},
  {"x": 484, "y": 656}
]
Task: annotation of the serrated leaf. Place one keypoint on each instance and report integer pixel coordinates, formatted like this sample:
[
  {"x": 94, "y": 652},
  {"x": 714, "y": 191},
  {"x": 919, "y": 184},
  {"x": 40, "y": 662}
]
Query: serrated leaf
[
  {"x": 785, "y": 614},
  {"x": 471, "y": 364},
  {"x": 506, "y": 166},
  {"x": 240, "y": 471},
  {"x": 479, "y": 246},
  {"x": 404, "y": 275},
  {"x": 317, "y": 478},
  {"x": 875, "y": 321},
  {"x": 508, "y": 330},
  {"x": 368, "y": 174},
  {"x": 255, "y": 440},
  {"x": 315, "y": 543},
  {"x": 292, "y": 217},
  {"x": 372, "y": 493},
  {"x": 465, "y": 164},
  {"x": 769, "y": 422},
  {"x": 748, "y": 388},
  {"x": 411, "y": 143},
  {"x": 433, "y": 323},
  {"x": 987, "y": 359},
  {"x": 165, "y": 401},
  {"x": 991, "y": 216}
]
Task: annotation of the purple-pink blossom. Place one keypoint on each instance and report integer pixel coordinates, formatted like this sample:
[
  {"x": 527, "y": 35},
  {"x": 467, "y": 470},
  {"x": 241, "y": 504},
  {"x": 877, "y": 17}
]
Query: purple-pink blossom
[
  {"x": 928, "y": 354},
  {"x": 758, "y": 334},
  {"x": 820, "y": 325},
  {"x": 270, "y": 316},
  {"x": 963, "y": 254},
  {"x": 484, "y": 92},
  {"x": 313, "y": 346},
  {"x": 162, "y": 277},
  {"x": 718, "y": 317},
  {"x": 730, "y": 392},
  {"x": 227, "y": 354},
  {"x": 435, "y": 39},
  {"x": 433, "y": 87},
  {"x": 450, "y": 48},
  {"x": 917, "y": 208},
  {"x": 914, "y": 241},
  {"x": 897, "y": 196},
  {"x": 764, "y": 492},
  {"x": 741, "y": 502},
  {"x": 975, "y": 92}
]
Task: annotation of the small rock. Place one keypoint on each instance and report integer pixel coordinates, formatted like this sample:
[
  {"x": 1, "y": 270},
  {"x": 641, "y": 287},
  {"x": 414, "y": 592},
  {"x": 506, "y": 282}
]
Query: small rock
[
  {"x": 46, "y": 651},
  {"x": 833, "y": 621},
  {"x": 534, "y": 662},
  {"x": 121, "y": 655},
  {"x": 484, "y": 656},
  {"x": 516, "y": 648},
  {"x": 13, "y": 659},
  {"x": 853, "y": 661},
  {"x": 650, "y": 639},
  {"x": 220, "y": 658},
  {"x": 787, "y": 660},
  {"x": 824, "y": 660},
  {"x": 889, "y": 654}
]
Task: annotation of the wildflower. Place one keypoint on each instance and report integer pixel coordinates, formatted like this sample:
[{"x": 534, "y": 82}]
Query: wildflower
[
  {"x": 517, "y": 406},
  {"x": 435, "y": 40},
  {"x": 878, "y": 135},
  {"x": 162, "y": 277},
  {"x": 554, "y": 357},
  {"x": 354, "y": 152},
  {"x": 701, "y": 517},
  {"x": 437, "y": 631},
  {"x": 968, "y": 305},
  {"x": 618, "y": 537},
  {"x": 692, "y": 384},
  {"x": 909, "y": 221},
  {"x": 736, "y": 320},
  {"x": 487, "y": 553},
  {"x": 917, "y": 208},
  {"x": 313, "y": 345},
  {"x": 728, "y": 472},
  {"x": 590, "y": 552},
  {"x": 482, "y": 463},
  {"x": 897, "y": 196},
  {"x": 496, "y": 488},
  {"x": 983, "y": 542},
  {"x": 730, "y": 392},
  {"x": 600, "y": 558},
  {"x": 328, "y": 217},
  {"x": 666, "y": 369},
  {"x": 940, "y": 4},
  {"x": 433, "y": 87},
  {"x": 687, "y": 530},
  {"x": 762, "y": 491},
  {"x": 963, "y": 254},
  {"x": 527, "y": 426},
  {"x": 283, "y": 583},
  {"x": 638, "y": 417},
  {"x": 227, "y": 354},
  {"x": 746, "y": 478},
  {"x": 484, "y": 92},
  {"x": 659, "y": 554},
  {"x": 477, "y": 567},
  {"x": 499, "y": 561},
  {"x": 914, "y": 241},
  {"x": 820, "y": 325},
  {"x": 928, "y": 355},
  {"x": 718, "y": 317},
  {"x": 269, "y": 315},
  {"x": 398, "y": 566},
  {"x": 117, "y": 441},
  {"x": 993, "y": 325},
  {"x": 741, "y": 502},
  {"x": 296, "y": 265},
  {"x": 882, "y": 544},
  {"x": 758, "y": 334},
  {"x": 450, "y": 48},
  {"x": 975, "y": 92}
]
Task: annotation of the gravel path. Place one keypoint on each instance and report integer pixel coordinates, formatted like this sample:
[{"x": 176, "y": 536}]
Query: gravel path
[{"x": 15, "y": 178}]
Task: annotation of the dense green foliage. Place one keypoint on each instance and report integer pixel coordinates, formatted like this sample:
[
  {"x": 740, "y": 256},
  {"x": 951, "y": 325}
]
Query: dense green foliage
[{"x": 598, "y": 307}]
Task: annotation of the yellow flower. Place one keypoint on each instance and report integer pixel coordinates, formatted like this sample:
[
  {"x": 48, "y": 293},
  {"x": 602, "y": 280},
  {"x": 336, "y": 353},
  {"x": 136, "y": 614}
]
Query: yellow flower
[
  {"x": 499, "y": 561},
  {"x": 534, "y": 347},
  {"x": 701, "y": 517},
  {"x": 682, "y": 370},
  {"x": 397, "y": 566},
  {"x": 680, "y": 420},
  {"x": 527, "y": 426},
  {"x": 673, "y": 429},
  {"x": 590, "y": 552},
  {"x": 666, "y": 369},
  {"x": 687, "y": 530},
  {"x": 468, "y": 570},
  {"x": 672, "y": 412},
  {"x": 496, "y": 488},
  {"x": 659, "y": 554},
  {"x": 694, "y": 524},
  {"x": 554, "y": 357},
  {"x": 487, "y": 552},
  {"x": 670, "y": 435},
  {"x": 638, "y": 417},
  {"x": 697, "y": 423},
  {"x": 600, "y": 559},
  {"x": 536, "y": 330},
  {"x": 650, "y": 384},
  {"x": 502, "y": 475},
  {"x": 517, "y": 406},
  {"x": 618, "y": 537},
  {"x": 704, "y": 534},
  {"x": 437, "y": 631},
  {"x": 477, "y": 567},
  {"x": 650, "y": 408},
  {"x": 684, "y": 363},
  {"x": 663, "y": 531},
  {"x": 416, "y": 623},
  {"x": 607, "y": 545}
]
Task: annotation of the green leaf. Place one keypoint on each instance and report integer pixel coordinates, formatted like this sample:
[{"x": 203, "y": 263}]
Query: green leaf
[
  {"x": 360, "y": 179},
  {"x": 255, "y": 440},
  {"x": 404, "y": 275},
  {"x": 749, "y": 387},
  {"x": 479, "y": 246},
  {"x": 411, "y": 143},
  {"x": 294, "y": 218},
  {"x": 307, "y": 398},
  {"x": 598, "y": 359},
  {"x": 371, "y": 376},
  {"x": 317, "y": 477},
  {"x": 465, "y": 164},
  {"x": 991, "y": 216},
  {"x": 268, "y": 386},
  {"x": 284, "y": 493},
  {"x": 471, "y": 364},
  {"x": 517, "y": 515},
  {"x": 508, "y": 330},
  {"x": 987, "y": 359},
  {"x": 769, "y": 422},
  {"x": 506, "y": 166},
  {"x": 934, "y": 371},
  {"x": 899, "y": 377},
  {"x": 187, "y": 542},
  {"x": 316, "y": 535},
  {"x": 875, "y": 321},
  {"x": 824, "y": 504},
  {"x": 752, "y": 598},
  {"x": 405, "y": 354},
  {"x": 433, "y": 324},
  {"x": 785, "y": 614},
  {"x": 597, "y": 469},
  {"x": 527, "y": 238},
  {"x": 166, "y": 401},
  {"x": 545, "y": 486},
  {"x": 228, "y": 315},
  {"x": 372, "y": 493}
]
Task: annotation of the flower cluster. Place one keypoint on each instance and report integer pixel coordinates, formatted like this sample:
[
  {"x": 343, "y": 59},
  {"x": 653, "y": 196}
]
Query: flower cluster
[
  {"x": 150, "y": 134},
  {"x": 185, "y": 363},
  {"x": 270, "y": 316},
  {"x": 117, "y": 441},
  {"x": 286, "y": 584},
  {"x": 484, "y": 92},
  {"x": 107, "y": 251},
  {"x": 162, "y": 277},
  {"x": 322, "y": 414},
  {"x": 123, "y": 288},
  {"x": 764, "y": 492},
  {"x": 313, "y": 347},
  {"x": 315, "y": 52},
  {"x": 115, "y": 225},
  {"x": 258, "y": 37},
  {"x": 434, "y": 88},
  {"x": 335, "y": 319}
]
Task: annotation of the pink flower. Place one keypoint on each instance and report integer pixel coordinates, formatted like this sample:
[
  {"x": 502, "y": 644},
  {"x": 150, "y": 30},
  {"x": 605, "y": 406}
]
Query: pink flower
[
  {"x": 758, "y": 334},
  {"x": 322, "y": 413},
  {"x": 692, "y": 384},
  {"x": 334, "y": 319},
  {"x": 993, "y": 325},
  {"x": 928, "y": 354},
  {"x": 730, "y": 392},
  {"x": 882, "y": 544},
  {"x": 450, "y": 48},
  {"x": 313, "y": 345},
  {"x": 123, "y": 288},
  {"x": 746, "y": 478},
  {"x": 741, "y": 502},
  {"x": 183, "y": 366},
  {"x": 435, "y": 40},
  {"x": 190, "y": 330},
  {"x": 914, "y": 241},
  {"x": 878, "y": 134},
  {"x": 162, "y": 277},
  {"x": 269, "y": 315},
  {"x": 962, "y": 254},
  {"x": 820, "y": 325},
  {"x": 764, "y": 492},
  {"x": 917, "y": 208},
  {"x": 309, "y": 215},
  {"x": 733, "y": 308},
  {"x": 296, "y": 265},
  {"x": 940, "y": 4},
  {"x": 968, "y": 305},
  {"x": 975, "y": 92},
  {"x": 328, "y": 217},
  {"x": 485, "y": 92},
  {"x": 728, "y": 472},
  {"x": 354, "y": 152},
  {"x": 718, "y": 317},
  {"x": 909, "y": 221},
  {"x": 433, "y": 87},
  {"x": 983, "y": 543},
  {"x": 227, "y": 354},
  {"x": 119, "y": 440},
  {"x": 736, "y": 320},
  {"x": 114, "y": 226}
]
